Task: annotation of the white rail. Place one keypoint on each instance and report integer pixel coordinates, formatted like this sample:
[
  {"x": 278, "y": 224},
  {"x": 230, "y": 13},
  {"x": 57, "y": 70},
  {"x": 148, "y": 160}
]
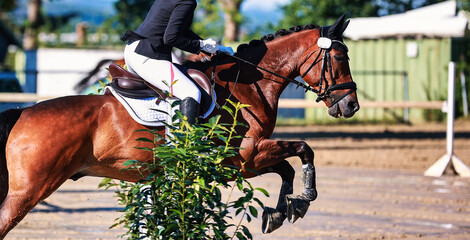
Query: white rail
[{"x": 283, "y": 103}]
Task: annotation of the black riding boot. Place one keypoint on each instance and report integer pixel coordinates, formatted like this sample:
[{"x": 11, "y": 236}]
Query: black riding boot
[{"x": 190, "y": 108}]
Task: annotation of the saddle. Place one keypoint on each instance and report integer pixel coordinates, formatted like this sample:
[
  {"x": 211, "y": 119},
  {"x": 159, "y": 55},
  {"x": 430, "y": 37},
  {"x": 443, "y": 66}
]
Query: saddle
[
  {"x": 132, "y": 85},
  {"x": 135, "y": 93}
]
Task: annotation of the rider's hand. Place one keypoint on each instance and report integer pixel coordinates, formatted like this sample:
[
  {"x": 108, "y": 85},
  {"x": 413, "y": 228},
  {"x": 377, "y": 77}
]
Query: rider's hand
[
  {"x": 226, "y": 50},
  {"x": 209, "y": 45}
]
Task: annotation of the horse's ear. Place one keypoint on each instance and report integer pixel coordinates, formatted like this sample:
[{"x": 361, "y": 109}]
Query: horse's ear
[
  {"x": 345, "y": 25},
  {"x": 337, "y": 28}
]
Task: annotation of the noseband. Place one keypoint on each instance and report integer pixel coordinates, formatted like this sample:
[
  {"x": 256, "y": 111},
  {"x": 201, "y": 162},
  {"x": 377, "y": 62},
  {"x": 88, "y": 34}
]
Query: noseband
[{"x": 325, "y": 45}]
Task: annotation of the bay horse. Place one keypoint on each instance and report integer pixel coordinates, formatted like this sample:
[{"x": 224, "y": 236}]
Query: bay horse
[{"x": 70, "y": 137}]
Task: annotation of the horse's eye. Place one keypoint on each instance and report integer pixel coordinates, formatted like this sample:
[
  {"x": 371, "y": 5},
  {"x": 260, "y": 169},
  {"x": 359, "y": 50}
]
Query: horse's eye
[{"x": 339, "y": 58}]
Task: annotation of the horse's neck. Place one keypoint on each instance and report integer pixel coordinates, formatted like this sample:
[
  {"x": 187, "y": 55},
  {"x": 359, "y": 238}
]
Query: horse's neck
[
  {"x": 262, "y": 92},
  {"x": 283, "y": 58}
]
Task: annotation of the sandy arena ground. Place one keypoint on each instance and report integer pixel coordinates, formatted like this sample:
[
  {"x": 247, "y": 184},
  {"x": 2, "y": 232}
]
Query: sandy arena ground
[{"x": 370, "y": 182}]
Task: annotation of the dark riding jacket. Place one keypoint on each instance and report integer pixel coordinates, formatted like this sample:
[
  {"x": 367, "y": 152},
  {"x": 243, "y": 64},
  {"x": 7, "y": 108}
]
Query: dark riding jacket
[{"x": 167, "y": 25}]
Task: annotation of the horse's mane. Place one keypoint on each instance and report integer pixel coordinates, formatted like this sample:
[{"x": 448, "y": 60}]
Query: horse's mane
[
  {"x": 277, "y": 34},
  {"x": 252, "y": 44}
]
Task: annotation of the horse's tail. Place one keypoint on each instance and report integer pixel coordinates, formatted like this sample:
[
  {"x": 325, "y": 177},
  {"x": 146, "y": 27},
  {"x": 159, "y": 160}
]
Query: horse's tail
[
  {"x": 87, "y": 81},
  {"x": 8, "y": 119}
]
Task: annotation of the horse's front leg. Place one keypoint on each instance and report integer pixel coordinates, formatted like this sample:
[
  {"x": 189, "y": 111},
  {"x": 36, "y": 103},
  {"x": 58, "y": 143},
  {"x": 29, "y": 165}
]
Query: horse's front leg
[
  {"x": 273, "y": 218},
  {"x": 271, "y": 152}
]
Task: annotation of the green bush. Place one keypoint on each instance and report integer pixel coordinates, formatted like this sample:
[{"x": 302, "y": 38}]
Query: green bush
[{"x": 181, "y": 197}]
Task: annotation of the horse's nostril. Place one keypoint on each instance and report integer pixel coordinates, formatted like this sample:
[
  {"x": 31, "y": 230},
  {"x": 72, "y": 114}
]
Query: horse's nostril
[{"x": 354, "y": 106}]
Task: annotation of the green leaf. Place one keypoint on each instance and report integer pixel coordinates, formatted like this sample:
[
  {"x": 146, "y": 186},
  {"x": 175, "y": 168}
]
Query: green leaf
[
  {"x": 247, "y": 233},
  {"x": 175, "y": 103},
  {"x": 240, "y": 236},
  {"x": 244, "y": 106},
  {"x": 105, "y": 182},
  {"x": 231, "y": 102},
  {"x": 259, "y": 202},
  {"x": 142, "y": 130},
  {"x": 253, "y": 211},
  {"x": 263, "y": 191},
  {"x": 130, "y": 162},
  {"x": 144, "y": 148},
  {"x": 144, "y": 140},
  {"x": 248, "y": 218},
  {"x": 228, "y": 110},
  {"x": 238, "y": 211}
]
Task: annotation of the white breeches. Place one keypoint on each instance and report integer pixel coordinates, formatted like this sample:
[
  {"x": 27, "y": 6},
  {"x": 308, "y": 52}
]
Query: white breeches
[{"x": 159, "y": 74}]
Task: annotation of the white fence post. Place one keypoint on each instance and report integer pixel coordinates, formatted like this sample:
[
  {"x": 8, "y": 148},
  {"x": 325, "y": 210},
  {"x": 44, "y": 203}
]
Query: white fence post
[{"x": 438, "y": 168}]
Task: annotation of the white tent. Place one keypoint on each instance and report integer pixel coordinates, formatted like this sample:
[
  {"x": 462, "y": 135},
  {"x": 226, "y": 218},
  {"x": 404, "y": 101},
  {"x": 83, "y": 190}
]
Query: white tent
[{"x": 438, "y": 20}]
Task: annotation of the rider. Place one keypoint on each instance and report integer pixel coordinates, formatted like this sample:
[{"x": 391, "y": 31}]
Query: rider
[{"x": 148, "y": 51}]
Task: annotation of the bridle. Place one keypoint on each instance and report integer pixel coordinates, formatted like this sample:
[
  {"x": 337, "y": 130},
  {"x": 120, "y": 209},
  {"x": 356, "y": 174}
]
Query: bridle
[{"x": 325, "y": 45}]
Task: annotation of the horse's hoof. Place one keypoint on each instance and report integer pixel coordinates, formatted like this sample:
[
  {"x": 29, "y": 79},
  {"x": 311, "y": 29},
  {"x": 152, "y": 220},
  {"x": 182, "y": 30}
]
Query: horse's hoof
[
  {"x": 272, "y": 220},
  {"x": 297, "y": 206}
]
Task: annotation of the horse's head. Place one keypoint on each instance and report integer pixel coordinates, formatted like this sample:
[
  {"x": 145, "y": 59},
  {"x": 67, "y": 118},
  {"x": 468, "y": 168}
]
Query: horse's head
[{"x": 325, "y": 67}]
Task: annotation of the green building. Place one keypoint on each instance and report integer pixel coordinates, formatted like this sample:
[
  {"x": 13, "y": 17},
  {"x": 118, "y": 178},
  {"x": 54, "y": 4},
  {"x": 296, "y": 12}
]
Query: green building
[{"x": 403, "y": 57}]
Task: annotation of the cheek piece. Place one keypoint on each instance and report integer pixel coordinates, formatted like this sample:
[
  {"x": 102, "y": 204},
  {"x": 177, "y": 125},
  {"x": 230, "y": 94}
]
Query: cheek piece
[{"x": 325, "y": 45}]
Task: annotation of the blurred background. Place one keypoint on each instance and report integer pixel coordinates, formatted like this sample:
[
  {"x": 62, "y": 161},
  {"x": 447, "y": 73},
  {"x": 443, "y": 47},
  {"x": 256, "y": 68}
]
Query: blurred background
[{"x": 370, "y": 167}]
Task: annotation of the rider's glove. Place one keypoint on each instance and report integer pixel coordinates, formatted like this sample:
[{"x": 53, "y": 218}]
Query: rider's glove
[
  {"x": 226, "y": 50},
  {"x": 209, "y": 45}
]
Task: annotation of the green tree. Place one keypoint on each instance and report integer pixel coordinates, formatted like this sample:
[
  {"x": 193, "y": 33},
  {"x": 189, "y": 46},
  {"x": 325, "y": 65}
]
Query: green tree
[
  {"x": 464, "y": 5},
  {"x": 129, "y": 15},
  {"x": 400, "y": 6},
  {"x": 30, "y": 38},
  {"x": 32, "y": 24},
  {"x": 208, "y": 21},
  {"x": 208, "y": 18},
  {"x": 232, "y": 17},
  {"x": 7, "y": 5}
]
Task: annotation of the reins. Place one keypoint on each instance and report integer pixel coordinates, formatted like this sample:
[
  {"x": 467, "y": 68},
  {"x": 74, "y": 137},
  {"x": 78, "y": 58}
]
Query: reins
[
  {"x": 325, "y": 45},
  {"x": 299, "y": 84}
]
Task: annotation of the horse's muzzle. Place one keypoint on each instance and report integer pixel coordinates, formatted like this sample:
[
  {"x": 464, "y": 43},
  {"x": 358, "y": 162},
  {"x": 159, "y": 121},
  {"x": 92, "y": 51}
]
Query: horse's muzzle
[{"x": 347, "y": 107}]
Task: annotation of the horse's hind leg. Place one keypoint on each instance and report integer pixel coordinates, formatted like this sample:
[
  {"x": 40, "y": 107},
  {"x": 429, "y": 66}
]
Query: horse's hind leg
[
  {"x": 13, "y": 209},
  {"x": 273, "y": 218},
  {"x": 29, "y": 184},
  {"x": 3, "y": 180},
  {"x": 23, "y": 195}
]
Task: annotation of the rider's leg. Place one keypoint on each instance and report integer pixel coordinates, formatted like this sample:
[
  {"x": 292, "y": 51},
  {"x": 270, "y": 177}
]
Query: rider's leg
[{"x": 158, "y": 73}]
